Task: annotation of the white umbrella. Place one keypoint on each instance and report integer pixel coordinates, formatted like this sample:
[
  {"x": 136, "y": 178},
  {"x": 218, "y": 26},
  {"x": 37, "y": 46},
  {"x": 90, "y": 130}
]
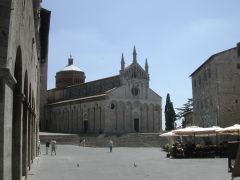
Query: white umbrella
[
  {"x": 208, "y": 131},
  {"x": 168, "y": 134},
  {"x": 195, "y": 130},
  {"x": 235, "y": 129},
  {"x": 198, "y": 131},
  {"x": 190, "y": 131}
]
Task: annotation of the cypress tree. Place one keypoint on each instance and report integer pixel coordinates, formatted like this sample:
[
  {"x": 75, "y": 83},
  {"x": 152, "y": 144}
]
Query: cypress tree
[{"x": 170, "y": 115}]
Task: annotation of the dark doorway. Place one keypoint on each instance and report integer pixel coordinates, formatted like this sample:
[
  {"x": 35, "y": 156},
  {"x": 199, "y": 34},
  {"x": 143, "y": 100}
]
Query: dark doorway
[
  {"x": 136, "y": 125},
  {"x": 85, "y": 126}
]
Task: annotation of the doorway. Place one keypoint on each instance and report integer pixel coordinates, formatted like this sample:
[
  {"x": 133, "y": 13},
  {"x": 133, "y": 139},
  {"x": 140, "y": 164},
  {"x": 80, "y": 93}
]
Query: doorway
[
  {"x": 85, "y": 126},
  {"x": 136, "y": 125}
]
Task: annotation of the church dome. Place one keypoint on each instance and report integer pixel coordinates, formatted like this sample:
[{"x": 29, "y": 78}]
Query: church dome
[
  {"x": 69, "y": 75},
  {"x": 70, "y": 66}
]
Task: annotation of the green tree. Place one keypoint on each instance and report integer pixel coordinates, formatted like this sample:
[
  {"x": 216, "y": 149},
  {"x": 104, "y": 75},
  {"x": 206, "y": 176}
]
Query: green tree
[
  {"x": 170, "y": 115},
  {"x": 187, "y": 107}
]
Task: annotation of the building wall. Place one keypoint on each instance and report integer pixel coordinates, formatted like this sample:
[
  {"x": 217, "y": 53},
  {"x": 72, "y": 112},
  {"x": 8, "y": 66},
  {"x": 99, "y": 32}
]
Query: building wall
[
  {"x": 205, "y": 94},
  {"x": 188, "y": 119},
  {"x": 6, "y": 86},
  {"x": 102, "y": 117},
  {"x": 19, "y": 88},
  {"x": 216, "y": 90},
  {"x": 229, "y": 89}
]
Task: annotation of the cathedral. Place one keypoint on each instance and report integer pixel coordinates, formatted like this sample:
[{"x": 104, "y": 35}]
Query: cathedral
[{"x": 123, "y": 103}]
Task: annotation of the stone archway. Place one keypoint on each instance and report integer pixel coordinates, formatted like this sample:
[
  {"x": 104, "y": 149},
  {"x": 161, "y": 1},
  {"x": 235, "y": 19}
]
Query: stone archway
[
  {"x": 30, "y": 132},
  {"x": 25, "y": 128},
  {"x": 18, "y": 99}
]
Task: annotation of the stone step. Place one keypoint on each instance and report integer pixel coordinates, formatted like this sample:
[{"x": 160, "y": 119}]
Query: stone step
[{"x": 101, "y": 140}]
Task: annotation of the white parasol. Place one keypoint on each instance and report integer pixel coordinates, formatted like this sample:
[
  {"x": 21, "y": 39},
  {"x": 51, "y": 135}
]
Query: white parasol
[
  {"x": 198, "y": 131},
  {"x": 235, "y": 129},
  {"x": 170, "y": 133}
]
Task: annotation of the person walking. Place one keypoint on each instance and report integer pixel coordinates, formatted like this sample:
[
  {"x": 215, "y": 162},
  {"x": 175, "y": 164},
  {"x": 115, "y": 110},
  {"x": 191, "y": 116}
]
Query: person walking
[
  {"x": 80, "y": 143},
  {"x": 83, "y": 142},
  {"x": 47, "y": 146},
  {"x": 110, "y": 145},
  {"x": 39, "y": 148},
  {"x": 53, "y": 146}
]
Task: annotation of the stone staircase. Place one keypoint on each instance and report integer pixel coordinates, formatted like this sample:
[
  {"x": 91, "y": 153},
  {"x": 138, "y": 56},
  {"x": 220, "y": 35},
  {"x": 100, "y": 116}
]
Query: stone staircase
[{"x": 101, "y": 140}]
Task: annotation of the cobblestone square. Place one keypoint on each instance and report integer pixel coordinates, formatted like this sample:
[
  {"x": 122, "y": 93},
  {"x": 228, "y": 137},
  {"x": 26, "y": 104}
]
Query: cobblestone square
[{"x": 85, "y": 163}]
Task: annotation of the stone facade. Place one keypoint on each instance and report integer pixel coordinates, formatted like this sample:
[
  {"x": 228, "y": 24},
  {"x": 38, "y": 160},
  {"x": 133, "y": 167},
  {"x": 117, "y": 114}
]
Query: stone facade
[
  {"x": 121, "y": 103},
  {"x": 216, "y": 87},
  {"x": 20, "y": 68}
]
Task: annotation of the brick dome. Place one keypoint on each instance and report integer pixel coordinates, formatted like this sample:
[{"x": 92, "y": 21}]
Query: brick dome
[{"x": 69, "y": 75}]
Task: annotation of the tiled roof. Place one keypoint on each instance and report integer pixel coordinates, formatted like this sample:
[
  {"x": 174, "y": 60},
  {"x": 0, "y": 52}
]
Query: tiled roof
[{"x": 77, "y": 99}]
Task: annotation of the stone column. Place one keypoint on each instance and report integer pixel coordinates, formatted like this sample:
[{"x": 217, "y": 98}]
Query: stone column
[
  {"x": 79, "y": 120},
  {"x": 17, "y": 136},
  {"x": 25, "y": 139},
  {"x": 32, "y": 136},
  {"x": 29, "y": 137},
  {"x": 102, "y": 118},
  {"x": 7, "y": 82},
  {"x": 34, "y": 143},
  {"x": 97, "y": 119}
]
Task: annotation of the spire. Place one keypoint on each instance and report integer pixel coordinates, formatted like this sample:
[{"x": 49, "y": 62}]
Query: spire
[
  {"x": 122, "y": 63},
  {"x": 146, "y": 66},
  {"x": 70, "y": 60},
  {"x": 134, "y": 55}
]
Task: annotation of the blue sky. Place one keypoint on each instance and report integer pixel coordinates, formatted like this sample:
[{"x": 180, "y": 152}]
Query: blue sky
[{"x": 175, "y": 36}]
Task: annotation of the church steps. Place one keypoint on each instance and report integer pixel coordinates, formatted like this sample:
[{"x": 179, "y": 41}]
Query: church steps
[{"x": 101, "y": 140}]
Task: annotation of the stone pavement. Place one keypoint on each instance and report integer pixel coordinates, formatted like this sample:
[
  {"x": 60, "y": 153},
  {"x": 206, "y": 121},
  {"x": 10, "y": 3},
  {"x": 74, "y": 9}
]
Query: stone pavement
[{"x": 86, "y": 163}]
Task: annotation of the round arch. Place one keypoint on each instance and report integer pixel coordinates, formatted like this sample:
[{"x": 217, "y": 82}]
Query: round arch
[
  {"x": 18, "y": 98},
  {"x": 25, "y": 128}
]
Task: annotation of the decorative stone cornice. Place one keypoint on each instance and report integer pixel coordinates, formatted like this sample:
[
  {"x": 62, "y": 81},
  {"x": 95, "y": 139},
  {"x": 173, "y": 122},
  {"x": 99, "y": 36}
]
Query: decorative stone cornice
[{"x": 7, "y": 76}]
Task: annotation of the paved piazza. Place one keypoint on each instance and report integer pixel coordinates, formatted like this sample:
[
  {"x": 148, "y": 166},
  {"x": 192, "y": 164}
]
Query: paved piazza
[{"x": 99, "y": 163}]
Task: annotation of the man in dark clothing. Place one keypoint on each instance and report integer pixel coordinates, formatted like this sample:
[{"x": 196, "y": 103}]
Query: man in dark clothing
[{"x": 47, "y": 146}]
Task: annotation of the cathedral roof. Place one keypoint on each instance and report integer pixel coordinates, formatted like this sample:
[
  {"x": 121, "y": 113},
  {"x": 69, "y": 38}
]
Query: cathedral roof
[{"x": 88, "y": 98}]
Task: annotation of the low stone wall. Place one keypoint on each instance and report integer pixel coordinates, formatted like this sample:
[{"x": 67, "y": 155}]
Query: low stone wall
[{"x": 101, "y": 140}]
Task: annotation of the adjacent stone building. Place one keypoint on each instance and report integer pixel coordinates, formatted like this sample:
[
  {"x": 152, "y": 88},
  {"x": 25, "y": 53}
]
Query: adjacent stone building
[
  {"x": 188, "y": 119},
  {"x": 117, "y": 104},
  {"x": 216, "y": 90},
  {"x": 23, "y": 46}
]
